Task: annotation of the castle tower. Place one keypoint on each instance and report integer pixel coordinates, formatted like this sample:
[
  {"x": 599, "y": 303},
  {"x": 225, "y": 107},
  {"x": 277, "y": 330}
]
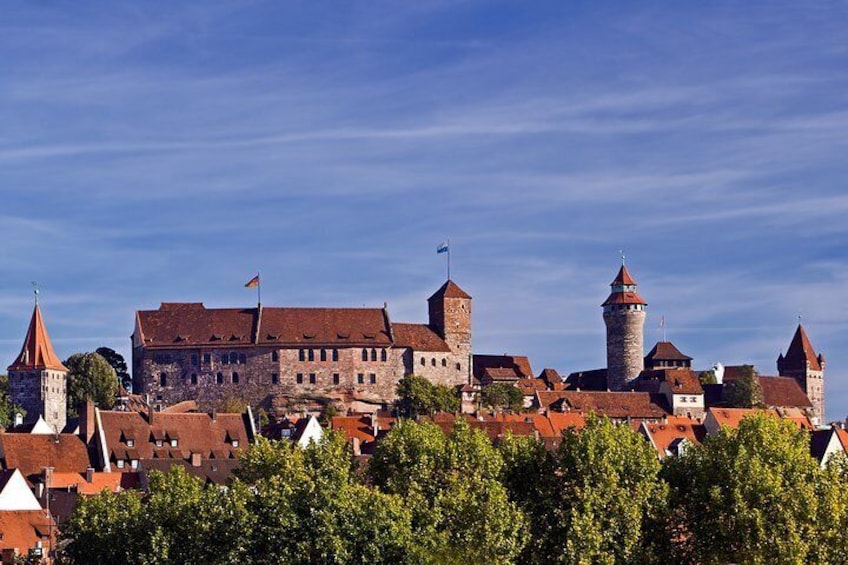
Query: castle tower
[
  {"x": 802, "y": 364},
  {"x": 38, "y": 379},
  {"x": 450, "y": 317},
  {"x": 624, "y": 316}
]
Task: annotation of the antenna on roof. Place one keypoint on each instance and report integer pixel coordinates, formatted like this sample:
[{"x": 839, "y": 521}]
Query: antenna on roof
[{"x": 35, "y": 291}]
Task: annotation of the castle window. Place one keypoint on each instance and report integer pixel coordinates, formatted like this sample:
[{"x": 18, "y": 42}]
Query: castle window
[
  {"x": 323, "y": 355},
  {"x": 173, "y": 442},
  {"x": 207, "y": 358},
  {"x": 301, "y": 355},
  {"x": 423, "y": 361},
  {"x": 373, "y": 354},
  {"x": 335, "y": 354},
  {"x": 220, "y": 378},
  {"x": 299, "y": 378},
  {"x": 194, "y": 378},
  {"x": 119, "y": 463},
  {"x": 458, "y": 367},
  {"x": 383, "y": 355},
  {"x": 235, "y": 378},
  {"x": 433, "y": 361},
  {"x": 242, "y": 358},
  {"x": 335, "y": 378},
  {"x": 444, "y": 362},
  {"x": 312, "y": 355},
  {"x": 224, "y": 359},
  {"x": 275, "y": 378},
  {"x": 360, "y": 378},
  {"x": 134, "y": 463},
  {"x": 275, "y": 356},
  {"x": 234, "y": 358},
  {"x": 312, "y": 378},
  {"x": 163, "y": 379},
  {"x": 130, "y": 442},
  {"x": 194, "y": 360},
  {"x": 365, "y": 355},
  {"x": 373, "y": 378}
]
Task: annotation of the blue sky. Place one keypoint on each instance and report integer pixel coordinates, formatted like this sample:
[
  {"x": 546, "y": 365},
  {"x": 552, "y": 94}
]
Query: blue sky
[{"x": 161, "y": 152}]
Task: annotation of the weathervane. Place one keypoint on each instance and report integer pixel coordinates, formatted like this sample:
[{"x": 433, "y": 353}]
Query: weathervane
[
  {"x": 621, "y": 252},
  {"x": 35, "y": 291}
]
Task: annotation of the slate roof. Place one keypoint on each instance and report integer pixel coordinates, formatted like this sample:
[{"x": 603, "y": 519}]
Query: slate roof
[
  {"x": 29, "y": 453},
  {"x": 419, "y": 337},
  {"x": 37, "y": 352}
]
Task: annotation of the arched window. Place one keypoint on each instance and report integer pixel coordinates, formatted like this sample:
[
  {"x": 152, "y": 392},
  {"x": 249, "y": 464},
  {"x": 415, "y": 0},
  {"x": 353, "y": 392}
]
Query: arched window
[
  {"x": 224, "y": 359},
  {"x": 194, "y": 378},
  {"x": 312, "y": 355},
  {"x": 365, "y": 355},
  {"x": 235, "y": 378},
  {"x": 423, "y": 361},
  {"x": 275, "y": 356},
  {"x": 433, "y": 361},
  {"x": 373, "y": 354},
  {"x": 233, "y": 358},
  {"x": 383, "y": 355},
  {"x": 458, "y": 367},
  {"x": 335, "y": 354},
  {"x": 242, "y": 358},
  {"x": 444, "y": 362},
  {"x": 220, "y": 378},
  {"x": 323, "y": 355},
  {"x": 163, "y": 379}
]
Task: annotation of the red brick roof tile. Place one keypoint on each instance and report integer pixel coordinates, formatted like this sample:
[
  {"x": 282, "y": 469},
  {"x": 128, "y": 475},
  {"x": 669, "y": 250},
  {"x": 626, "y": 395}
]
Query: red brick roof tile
[
  {"x": 623, "y": 278},
  {"x": 30, "y": 453},
  {"x": 627, "y": 297},
  {"x": 450, "y": 290},
  {"x": 519, "y": 365},
  {"x": 611, "y": 404},
  {"x": 666, "y": 351},
  {"x": 783, "y": 391},
  {"x": 419, "y": 337},
  {"x": 672, "y": 429},
  {"x": 22, "y": 529},
  {"x": 37, "y": 352},
  {"x": 801, "y": 352}
]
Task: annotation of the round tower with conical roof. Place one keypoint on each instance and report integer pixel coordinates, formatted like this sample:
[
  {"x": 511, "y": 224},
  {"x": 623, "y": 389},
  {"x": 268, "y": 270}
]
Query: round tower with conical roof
[{"x": 624, "y": 316}]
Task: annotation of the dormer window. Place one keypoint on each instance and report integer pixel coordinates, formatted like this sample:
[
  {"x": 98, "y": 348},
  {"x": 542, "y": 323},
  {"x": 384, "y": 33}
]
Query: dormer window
[
  {"x": 158, "y": 443},
  {"x": 119, "y": 463},
  {"x": 235, "y": 443},
  {"x": 134, "y": 463},
  {"x": 174, "y": 442},
  {"x": 130, "y": 442}
]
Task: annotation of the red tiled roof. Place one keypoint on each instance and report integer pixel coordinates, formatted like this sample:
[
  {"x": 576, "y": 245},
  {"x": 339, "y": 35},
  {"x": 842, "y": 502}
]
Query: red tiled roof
[
  {"x": 191, "y": 324},
  {"x": 783, "y": 391},
  {"x": 66, "y": 453},
  {"x": 449, "y": 290},
  {"x": 551, "y": 376},
  {"x": 324, "y": 325},
  {"x": 518, "y": 364},
  {"x": 419, "y": 337},
  {"x": 595, "y": 379},
  {"x": 731, "y": 417},
  {"x": 666, "y": 351},
  {"x": 610, "y": 404},
  {"x": 360, "y": 426},
  {"x": 680, "y": 380},
  {"x": 674, "y": 428},
  {"x": 112, "y": 482},
  {"x": 494, "y": 426},
  {"x": 623, "y": 278},
  {"x": 561, "y": 421},
  {"x": 21, "y": 529},
  {"x": 37, "y": 351},
  {"x": 801, "y": 352},
  {"x": 627, "y": 297},
  {"x": 195, "y": 433},
  {"x": 530, "y": 386}
]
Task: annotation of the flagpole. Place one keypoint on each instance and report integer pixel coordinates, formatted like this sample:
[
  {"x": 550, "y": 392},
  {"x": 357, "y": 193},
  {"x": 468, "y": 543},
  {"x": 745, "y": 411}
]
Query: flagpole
[
  {"x": 259, "y": 290},
  {"x": 448, "y": 259}
]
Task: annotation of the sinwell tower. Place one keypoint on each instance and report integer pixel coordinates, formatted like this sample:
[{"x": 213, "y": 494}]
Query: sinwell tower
[{"x": 624, "y": 316}]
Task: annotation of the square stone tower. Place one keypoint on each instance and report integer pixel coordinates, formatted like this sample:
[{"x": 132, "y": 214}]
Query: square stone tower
[
  {"x": 37, "y": 378},
  {"x": 450, "y": 318},
  {"x": 805, "y": 366}
]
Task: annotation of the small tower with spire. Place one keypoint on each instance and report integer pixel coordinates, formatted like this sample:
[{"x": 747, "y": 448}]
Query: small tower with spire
[
  {"x": 624, "y": 316},
  {"x": 37, "y": 378},
  {"x": 805, "y": 366}
]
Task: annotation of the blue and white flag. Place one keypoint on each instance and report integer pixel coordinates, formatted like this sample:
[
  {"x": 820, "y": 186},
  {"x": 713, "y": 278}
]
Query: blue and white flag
[{"x": 442, "y": 248}]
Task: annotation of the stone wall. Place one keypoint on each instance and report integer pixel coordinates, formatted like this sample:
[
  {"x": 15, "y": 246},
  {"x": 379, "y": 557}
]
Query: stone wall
[
  {"x": 625, "y": 347},
  {"x": 41, "y": 393}
]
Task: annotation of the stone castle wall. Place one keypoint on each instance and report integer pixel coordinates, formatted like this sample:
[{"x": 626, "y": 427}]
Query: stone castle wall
[
  {"x": 41, "y": 393},
  {"x": 625, "y": 346}
]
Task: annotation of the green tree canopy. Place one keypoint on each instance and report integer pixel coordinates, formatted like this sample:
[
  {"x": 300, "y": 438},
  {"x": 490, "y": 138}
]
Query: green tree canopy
[
  {"x": 460, "y": 510},
  {"x": 7, "y": 409},
  {"x": 416, "y": 396},
  {"x": 117, "y": 361},
  {"x": 90, "y": 377},
  {"x": 747, "y": 495},
  {"x": 745, "y": 390},
  {"x": 707, "y": 377},
  {"x": 502, "y": 396}
]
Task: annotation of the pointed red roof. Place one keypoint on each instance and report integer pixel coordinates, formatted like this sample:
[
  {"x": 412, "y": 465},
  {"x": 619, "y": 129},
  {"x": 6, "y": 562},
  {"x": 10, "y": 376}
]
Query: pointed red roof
[
  {"x": 623, "y": 278},
  {"x": 801, "y": 351},
  {"x": 450, "y": 290},
  {"x": 37, "y": 352}
]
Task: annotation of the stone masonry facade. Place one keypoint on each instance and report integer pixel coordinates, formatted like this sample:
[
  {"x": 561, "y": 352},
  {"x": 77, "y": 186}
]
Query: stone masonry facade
[
  {"x": 342, "y": 355},
  {"x": 41, "y": 393}
]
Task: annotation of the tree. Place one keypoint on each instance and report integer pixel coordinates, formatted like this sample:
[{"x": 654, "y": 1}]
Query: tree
[
  {"x": 416, "y": 396},
  {"x": 503, "y": 396},
  {"x": 745, "y": 390},
  {"x": 747, "y": 495},
  {"x": 460, "y": 510},
  {"x": 7, "y": 409},
  {"x": 117, "y": 361},
  {"x": 707, "y": 377},
  {"x": 90, "y": 377}
]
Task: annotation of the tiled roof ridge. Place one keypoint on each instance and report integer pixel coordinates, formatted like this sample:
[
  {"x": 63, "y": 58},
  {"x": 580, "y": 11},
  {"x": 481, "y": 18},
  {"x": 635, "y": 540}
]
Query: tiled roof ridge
[
  {"x": 623, "y": 277},
  {"x": 449, "y": 290}
]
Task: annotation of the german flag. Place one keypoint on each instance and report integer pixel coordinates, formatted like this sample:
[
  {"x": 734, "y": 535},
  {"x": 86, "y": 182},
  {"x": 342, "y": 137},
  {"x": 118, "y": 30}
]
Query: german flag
[{"x": 252, "y": 282}]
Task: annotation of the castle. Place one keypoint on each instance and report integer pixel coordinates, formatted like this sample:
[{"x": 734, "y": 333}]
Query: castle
[{"x": 185, "y": 351}]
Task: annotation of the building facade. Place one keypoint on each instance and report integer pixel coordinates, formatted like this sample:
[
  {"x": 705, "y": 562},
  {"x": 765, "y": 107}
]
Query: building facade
[
  {"x": 38, "y": 380},
  {"x": 187, "y": 351},
  {"x": 624, "y": 317}
]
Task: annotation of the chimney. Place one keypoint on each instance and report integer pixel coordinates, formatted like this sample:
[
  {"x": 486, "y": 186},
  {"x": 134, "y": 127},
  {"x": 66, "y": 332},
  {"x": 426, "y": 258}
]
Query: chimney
[
  {"x": 86, "y": 421},
  {"x": 89, "y": 474},
  {"x": 195, "y": 459},
  {"x": 150, "y": 412}
]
